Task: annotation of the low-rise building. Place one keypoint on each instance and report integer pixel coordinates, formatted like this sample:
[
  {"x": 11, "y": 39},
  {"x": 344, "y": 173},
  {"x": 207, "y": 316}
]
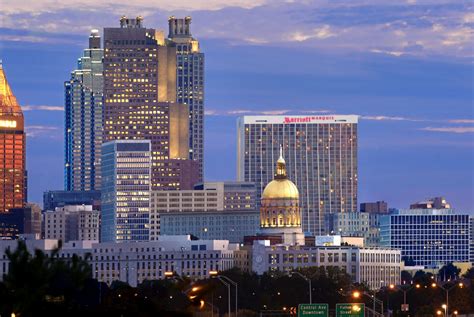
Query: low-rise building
[
  {"x": 205, "y": 197},
  {"x": 378, "y": 207},
  {"x": 72, "y": 223},
  {"x": 60, "y": 198},
  {"x": 19, "y": 221},
  {"x": 135, "y": 262},
  {"x": 211, "y": 225},
  {"x": 432, "y": 203},
  {"x": 376, "y": 267},
  {"x": 356, "y": 224}
]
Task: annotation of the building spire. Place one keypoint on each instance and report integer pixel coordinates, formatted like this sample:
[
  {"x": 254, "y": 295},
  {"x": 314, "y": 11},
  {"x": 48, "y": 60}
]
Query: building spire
[
  {"x": 281, "y": 166},
  {"x": 8, "y": 102}
]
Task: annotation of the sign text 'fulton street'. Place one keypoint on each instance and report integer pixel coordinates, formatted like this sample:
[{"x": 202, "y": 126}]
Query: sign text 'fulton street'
[{"x": 350, "y": 310}]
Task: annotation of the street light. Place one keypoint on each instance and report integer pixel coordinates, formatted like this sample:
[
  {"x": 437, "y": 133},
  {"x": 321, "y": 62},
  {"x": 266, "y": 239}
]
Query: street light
[
  {"x": 309, "y": 283},
  {"x": 227, "y": 282},
  {"x": 447, "y": 289},
  {"x": 357, "y": 294},
  {"x": 405, "y": 290},
  {"x": 445, "y": 307}
]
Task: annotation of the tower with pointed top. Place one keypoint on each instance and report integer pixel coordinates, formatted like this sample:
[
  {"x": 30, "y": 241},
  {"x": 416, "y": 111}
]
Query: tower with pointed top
[
  {"x": 12, "y": 149},
  {"x": 280, "y": 213}
]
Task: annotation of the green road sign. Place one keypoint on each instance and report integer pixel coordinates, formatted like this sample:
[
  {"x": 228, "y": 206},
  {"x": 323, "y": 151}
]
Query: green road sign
[
  {"x": 313, "y": 310},
  {"x": 350, "y": 310}
]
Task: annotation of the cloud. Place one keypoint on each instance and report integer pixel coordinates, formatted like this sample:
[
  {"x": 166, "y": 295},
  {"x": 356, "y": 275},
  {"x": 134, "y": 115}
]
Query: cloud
[
  {"x": 41, "y": 6},
  {"x": 53, "y": 132},
  {"x": 321, "y": 33},
  {"x": 276, "y": 112},
  {"x": 42, "y": 108},
  {"x": 422, "y": 28},
  {"x": 391, "y": 118},
  {"x": 461, "y": 121},
  {"x": 449, "y": 129}
]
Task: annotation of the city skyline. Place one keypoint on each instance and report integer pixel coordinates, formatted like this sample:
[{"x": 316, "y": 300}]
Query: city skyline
[{"x": 419, "y": 136}]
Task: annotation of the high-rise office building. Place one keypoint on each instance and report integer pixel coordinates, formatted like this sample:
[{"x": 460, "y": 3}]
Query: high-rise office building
[
  {"x": 126, "y": 169},
  {"x": 140, "y": 95},
  {"x": 12, "y": 149},
  {"x": 428, "y": 237},
  {"x": 83, "y": 119},
  {"x": 321, "y": 159},
  {"x": 189, "y": 83}
]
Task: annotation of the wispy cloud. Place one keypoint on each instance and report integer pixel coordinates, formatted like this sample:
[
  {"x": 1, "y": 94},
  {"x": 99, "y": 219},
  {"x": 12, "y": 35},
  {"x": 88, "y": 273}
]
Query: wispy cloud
[
  {"x": 42, "y": 108},
  {"x": 449, "y": 129},
  {"x": 421, "y": 28},
  {"x": 392, "y": 118},
  {"x": 320, "y": 33},
  {"x": 461, "y": 121},
  {"x": 276, "y": 112},
  {"x": 53, "y": 132}
]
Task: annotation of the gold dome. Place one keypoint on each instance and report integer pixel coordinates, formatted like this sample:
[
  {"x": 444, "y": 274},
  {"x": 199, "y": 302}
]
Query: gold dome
[{"x": 280, "y": 186}]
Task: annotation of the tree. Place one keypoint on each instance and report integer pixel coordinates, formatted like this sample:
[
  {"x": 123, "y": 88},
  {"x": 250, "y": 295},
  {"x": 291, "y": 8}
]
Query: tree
[
  {"x": 406, "y": 277},
  {"x": 37, "y": 283},
  {"x": 449, "y": 272}
]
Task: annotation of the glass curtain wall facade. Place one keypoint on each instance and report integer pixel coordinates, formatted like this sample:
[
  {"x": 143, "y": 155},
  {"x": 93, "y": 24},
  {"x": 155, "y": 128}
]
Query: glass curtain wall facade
[
  {"x": 429, "y": 237},
  {"x": 83, "y": 119},
  {"x": 12, "y": 149},
  {"x": 321, "y": 159},
  {"x": 126, "y": 190},
  {"x": 189, "y": 83}
]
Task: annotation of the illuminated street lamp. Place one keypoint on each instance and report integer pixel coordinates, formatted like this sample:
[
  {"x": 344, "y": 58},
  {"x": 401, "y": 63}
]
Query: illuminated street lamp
[
  {"x": 358, "y": 294},
  {"x": 447, "y": 289}
]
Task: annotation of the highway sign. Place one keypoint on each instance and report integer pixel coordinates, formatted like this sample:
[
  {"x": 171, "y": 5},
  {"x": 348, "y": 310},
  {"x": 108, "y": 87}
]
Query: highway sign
[
  {"x": 313, "y": 310},
  {"x": 350, "y": 310}
]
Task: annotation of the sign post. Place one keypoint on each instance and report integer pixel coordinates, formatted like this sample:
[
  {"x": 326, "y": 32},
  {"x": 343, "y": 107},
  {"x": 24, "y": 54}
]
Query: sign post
[
  {"x": 350, "y": 310},
  {"x": 313, "y": 310}
]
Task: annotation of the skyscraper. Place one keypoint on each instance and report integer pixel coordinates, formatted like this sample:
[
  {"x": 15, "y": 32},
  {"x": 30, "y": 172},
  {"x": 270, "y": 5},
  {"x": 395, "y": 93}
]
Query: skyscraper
[
  {"x": 12, "y": 149},
  {"x": 83, "y": 119},
  {"x": 126, "y": 166},
  {"x": 140, "y": 95},
  {"x": 189, "y": 83},
  {"x": 321, "y": 158}
]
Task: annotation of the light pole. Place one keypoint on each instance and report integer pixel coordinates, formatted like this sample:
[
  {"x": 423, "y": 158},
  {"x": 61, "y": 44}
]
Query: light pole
[
  {"x": 357, "y": 294},
  {"x": 445, "y": 307},
  {"x": 447, "y": 289},
  {"x": 227, "y": 282},
  {"x": 220, "y": 277},
  {"x": 309, "y": 283},
  {"x": 405, "y": 290}
]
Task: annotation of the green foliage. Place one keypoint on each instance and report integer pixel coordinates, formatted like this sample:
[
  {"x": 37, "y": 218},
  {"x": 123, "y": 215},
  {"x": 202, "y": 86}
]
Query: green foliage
[{"x": 39, "y": 281}]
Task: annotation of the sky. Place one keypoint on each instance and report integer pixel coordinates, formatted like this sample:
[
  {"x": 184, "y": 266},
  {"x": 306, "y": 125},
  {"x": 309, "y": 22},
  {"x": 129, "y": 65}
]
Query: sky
[{"x": 405, "y": 67}]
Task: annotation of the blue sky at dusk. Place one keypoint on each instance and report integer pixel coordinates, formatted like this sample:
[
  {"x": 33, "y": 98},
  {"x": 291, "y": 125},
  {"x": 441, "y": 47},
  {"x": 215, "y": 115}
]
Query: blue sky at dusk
[{"x": 404, "y": 67}]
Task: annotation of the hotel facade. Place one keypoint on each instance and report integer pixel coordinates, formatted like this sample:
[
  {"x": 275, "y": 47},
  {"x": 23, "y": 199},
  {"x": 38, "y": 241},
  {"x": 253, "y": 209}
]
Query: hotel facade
[{"x": 321, "y": 159}]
